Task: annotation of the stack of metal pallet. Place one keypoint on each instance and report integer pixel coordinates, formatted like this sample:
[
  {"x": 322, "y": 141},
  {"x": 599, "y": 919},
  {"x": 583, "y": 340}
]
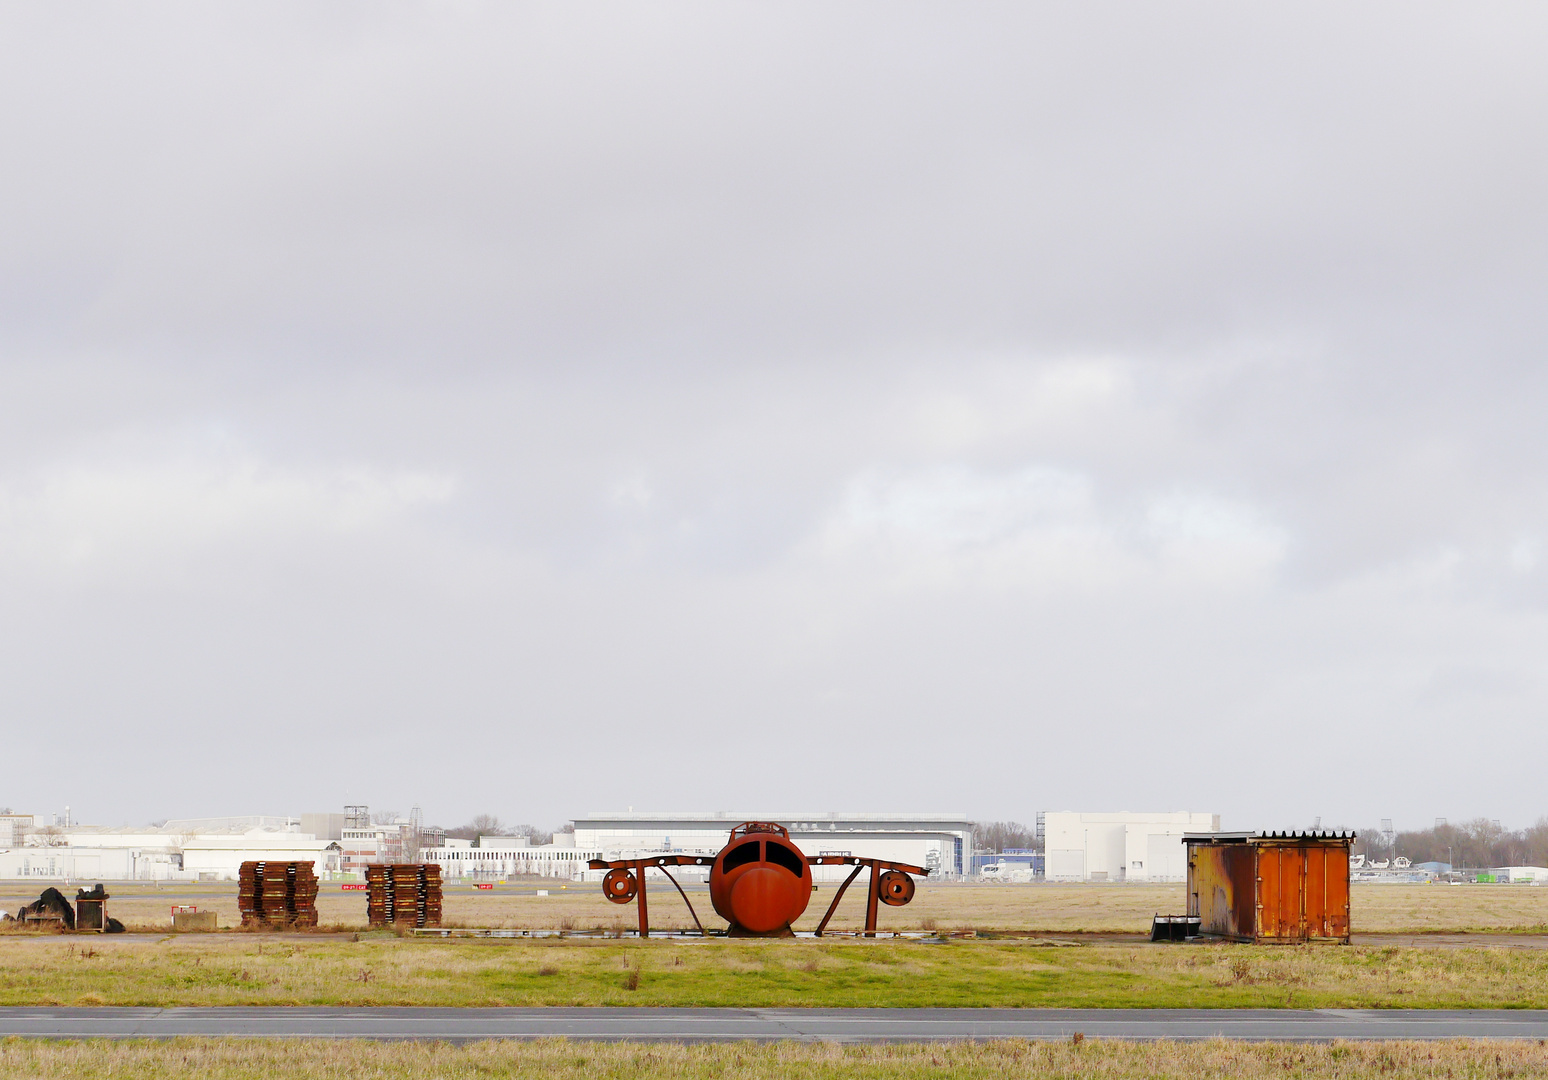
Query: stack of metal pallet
[
  {"x": 430, "y": 884},
  {"x": 277, "y": 894},
  {"x": 250, "y": 893},
  {"x": 379, "y": 898},
  {"x": 273, "y": 887},
  {"x": 405, "y": 894},
  {"x": 302, "y": 900},
  {"x": 405, "y": 889}
]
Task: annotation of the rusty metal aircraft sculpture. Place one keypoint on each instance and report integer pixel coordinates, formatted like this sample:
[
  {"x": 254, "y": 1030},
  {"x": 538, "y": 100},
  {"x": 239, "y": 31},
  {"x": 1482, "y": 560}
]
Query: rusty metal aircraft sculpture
[{"x": 760, "y": 882}]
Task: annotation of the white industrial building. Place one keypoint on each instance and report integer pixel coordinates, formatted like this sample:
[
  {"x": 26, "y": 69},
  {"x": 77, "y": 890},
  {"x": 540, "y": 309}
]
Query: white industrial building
[
  {"x": 1121, "y": 846},
  {"x": 13, "y": 827},
  {"x": 204, "y": 849},
  {"x": 498, "y": 857},
  {"x": 1521, "y": 875},
  {"x": 213, "y": 849},
  {"x": 936, "y": 841},
  {"x": 941, "y": 842},
  {"x": 1079, "y": 847}
]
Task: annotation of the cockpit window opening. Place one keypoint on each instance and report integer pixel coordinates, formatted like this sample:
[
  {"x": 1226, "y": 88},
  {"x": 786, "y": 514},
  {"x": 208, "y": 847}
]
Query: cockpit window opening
[
  {"x": 740, "y": 856},
  {"x": 780, "y": 855}
]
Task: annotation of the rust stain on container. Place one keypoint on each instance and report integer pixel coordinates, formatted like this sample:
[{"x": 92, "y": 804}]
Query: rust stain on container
[{"x": 1270, "y": 888}]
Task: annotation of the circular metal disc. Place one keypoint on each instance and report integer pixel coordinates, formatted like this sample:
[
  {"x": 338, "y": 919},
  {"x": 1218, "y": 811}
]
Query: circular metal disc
[
  {"x": 896, "y": 888},
  {"x": 619, "y": 886}
]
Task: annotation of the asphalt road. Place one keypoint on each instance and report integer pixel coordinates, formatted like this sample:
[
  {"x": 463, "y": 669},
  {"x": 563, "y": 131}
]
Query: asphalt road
[{"x": 720, "y": 1025}]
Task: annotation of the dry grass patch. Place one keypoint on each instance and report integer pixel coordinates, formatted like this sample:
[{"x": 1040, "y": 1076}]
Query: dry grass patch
[
  {"x": 1449, "y": 908},
  {"x": 236, "y": 970},
  {"x": 1044, "y": 908},
  {"x": 231, "y": 1059}
]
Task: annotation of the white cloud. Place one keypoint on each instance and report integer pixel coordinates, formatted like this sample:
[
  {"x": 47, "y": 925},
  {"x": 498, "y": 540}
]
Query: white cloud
[
  {"x": 1018, "y": 374},
  {"x": 1012, "y": 397},
  {"x": 1046, "y": 526},
  {"x": 632, "y": 493},
  {"x": 961, "y": 508},
  {"x": 1524, "y": 554},
  {"x": 1213, "y": 537},
  {"x": 99, "y": 519}
]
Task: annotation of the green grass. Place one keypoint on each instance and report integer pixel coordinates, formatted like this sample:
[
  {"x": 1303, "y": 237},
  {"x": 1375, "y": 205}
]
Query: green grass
[
  {"x": 231, "y": 1059},
  {"x": 232, "y": 970}
]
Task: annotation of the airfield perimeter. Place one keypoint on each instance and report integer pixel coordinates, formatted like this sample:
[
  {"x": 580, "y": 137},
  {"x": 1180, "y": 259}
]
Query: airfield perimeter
[
  {"x": 1073, "y": 947},
  {"x": 1048, "y": 909}
]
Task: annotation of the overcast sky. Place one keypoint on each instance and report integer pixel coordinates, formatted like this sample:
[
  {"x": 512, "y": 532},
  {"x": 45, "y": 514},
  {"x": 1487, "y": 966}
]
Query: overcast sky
[{"x": 539, "y": 409}]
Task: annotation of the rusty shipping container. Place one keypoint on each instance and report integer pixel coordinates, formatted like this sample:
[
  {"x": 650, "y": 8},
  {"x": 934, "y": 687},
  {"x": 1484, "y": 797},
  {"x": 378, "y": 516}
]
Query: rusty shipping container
[{"x": 1270, "y": 888}]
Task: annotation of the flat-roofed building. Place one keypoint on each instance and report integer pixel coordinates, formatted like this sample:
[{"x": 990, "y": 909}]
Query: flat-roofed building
[
  {"x": 1120, "y": 846},
  {"x": 207, "y": 849},
  {"x": 940, "y": 842},
  {"x": 498, "y": 857}
]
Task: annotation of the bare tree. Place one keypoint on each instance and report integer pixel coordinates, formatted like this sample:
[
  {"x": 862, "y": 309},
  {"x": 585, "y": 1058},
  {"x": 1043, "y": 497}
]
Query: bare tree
[
  {"x": 481, "y": 825},
  {"x": 1534, "y": 842},
  {"x": 999, "y": 835},
  {"x": 535, "y": 836},
  {"x": 487, "y": 825},
  {"x": 1476, "y": 844}
]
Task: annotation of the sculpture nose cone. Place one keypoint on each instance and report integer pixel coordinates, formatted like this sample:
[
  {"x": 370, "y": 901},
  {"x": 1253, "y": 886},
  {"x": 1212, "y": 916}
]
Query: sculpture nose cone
[{"x": 764, "y": 899}]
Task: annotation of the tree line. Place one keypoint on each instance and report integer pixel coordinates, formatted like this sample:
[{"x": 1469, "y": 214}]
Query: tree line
[
  {"x": 1476, "y": 844},
  {"x": 489, "y": 825},
  {"x": 1000, "y": 836}
]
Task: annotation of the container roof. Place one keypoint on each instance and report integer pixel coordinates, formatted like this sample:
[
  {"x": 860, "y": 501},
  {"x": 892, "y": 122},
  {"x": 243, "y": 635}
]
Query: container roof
[{"x": 1251, "y": 837}]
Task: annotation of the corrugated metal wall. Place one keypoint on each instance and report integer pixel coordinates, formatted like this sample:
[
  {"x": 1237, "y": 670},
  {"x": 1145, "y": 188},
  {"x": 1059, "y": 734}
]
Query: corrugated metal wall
[
  {"x": 1271, "y": 890},
  {"x": 1303, "y": 892},
  {"x": 1220, "y": 889}
]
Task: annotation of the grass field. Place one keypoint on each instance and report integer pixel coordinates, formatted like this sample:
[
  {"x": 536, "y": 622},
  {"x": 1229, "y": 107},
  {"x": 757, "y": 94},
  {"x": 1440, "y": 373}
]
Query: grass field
[
  {"x": 234, "y": 969},
  {"x": 1045, "y": 908},
  {"x": 226, "y": 1059},
  {"x": 382, "y": 969}
]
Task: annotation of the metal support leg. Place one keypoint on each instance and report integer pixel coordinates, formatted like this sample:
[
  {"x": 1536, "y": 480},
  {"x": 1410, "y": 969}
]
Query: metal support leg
[
  {"x": 837, "y": 897},
  {"x": 644, "y": 912},
  {"x": 684, "y": 895},
  {"x": 870, "y": 901}
]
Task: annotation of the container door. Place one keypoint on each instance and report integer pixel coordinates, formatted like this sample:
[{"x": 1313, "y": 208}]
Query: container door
[
  {"x": 1334, "y": 893},
  {"x": 1212, "y": 889},
  {"x": 1268, "y": 892},
  {"x": 1281, "y": 893},
  {"x": 1316, "y": 893},
  {"x": 1243, "y": 868}
]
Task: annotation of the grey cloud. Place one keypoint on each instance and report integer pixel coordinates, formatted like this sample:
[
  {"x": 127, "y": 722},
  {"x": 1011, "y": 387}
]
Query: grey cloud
[{"x": 932, "y": 390}]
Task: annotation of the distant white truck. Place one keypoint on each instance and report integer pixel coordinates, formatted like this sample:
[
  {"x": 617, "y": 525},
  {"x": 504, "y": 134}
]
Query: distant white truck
[{"x": 1001, "y": 871}]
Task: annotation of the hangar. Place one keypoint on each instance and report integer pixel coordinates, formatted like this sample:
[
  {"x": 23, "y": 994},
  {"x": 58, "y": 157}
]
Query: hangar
[
  {"x": 940, "y": 842},
  {"x": 1121, "y": 846}
]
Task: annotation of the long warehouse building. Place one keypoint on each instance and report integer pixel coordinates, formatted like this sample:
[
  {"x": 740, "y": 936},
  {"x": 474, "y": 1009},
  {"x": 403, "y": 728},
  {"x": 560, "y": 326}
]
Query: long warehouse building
[
  {"x": 1121, "y": 846},
  {"x": 940, "y": 842}
]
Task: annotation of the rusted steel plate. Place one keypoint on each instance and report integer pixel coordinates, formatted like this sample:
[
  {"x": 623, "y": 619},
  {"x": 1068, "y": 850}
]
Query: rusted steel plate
[
  {"x": 760, "y": 882},
  {"x": 1221, "y": 889},
  {"x": 854, "y": 860},
  {"x": 1271, "y": 887}
]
